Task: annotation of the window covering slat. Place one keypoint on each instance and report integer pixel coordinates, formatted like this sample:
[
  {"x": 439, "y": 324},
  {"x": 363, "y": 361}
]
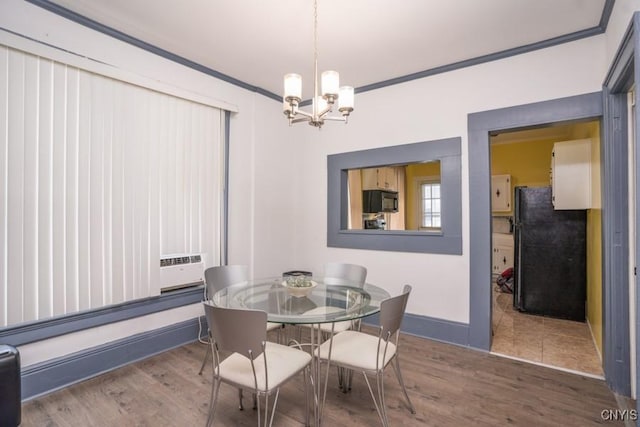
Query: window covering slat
[
  {"x": 15, "y": 186},
  {"x": 4, "y": 170}
]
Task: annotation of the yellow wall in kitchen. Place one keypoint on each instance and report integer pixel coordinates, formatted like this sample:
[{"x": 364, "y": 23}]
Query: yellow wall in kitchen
[
  {"x": 594, "y": 234},
  {"x": 528, "y": 163}
]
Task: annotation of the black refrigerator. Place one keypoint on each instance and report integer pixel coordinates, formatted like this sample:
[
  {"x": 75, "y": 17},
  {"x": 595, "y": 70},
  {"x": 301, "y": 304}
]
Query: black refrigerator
[{"x": 550, "y": 276}]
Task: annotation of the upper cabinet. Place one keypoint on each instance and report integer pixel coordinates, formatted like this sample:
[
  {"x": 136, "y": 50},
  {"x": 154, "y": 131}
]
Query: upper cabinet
[
  {"x": 382, "y": 178},
  {"x": 571, "y": 174},
  {"x": 501, "y": 193}
]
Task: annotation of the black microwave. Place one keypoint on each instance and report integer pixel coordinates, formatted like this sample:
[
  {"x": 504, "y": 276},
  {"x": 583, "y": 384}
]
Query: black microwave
[{"x": 375, "y": 201}]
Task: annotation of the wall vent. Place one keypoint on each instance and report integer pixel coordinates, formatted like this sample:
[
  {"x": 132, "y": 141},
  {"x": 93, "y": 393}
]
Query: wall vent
[{"x": 180, "y": 271}]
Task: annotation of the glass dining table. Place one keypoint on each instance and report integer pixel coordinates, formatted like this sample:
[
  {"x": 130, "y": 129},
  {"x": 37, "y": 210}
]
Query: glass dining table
[{"x": 323, "y": 302}]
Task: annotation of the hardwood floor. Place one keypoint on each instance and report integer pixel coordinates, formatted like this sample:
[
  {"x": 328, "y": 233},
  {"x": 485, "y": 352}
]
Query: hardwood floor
[{"x": 449, "y": 386}]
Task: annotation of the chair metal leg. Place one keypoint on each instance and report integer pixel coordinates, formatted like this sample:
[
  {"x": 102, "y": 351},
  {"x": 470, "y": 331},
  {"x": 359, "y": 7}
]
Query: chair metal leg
[
  {"x": 341, "y": 384},
  {"x": 383, "y": 403},
  {"x": 396, "y": 368},
  {"x": 204, "y": 361},
  {"x": 349, "y": 379},
  {"x": 273, "y": 409},
  {"x": 306, "y": 373},
  {"x": 215, "y": 387},
  {"x": 379, "y": 407}
]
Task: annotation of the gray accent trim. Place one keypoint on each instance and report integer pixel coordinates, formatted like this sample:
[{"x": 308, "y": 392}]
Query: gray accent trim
[
  {"x": 565, "y": 38},
  {"x": 573, "y": 108},
  {"x": 622, "y": 75},
  {"x": 436, "y": 329},
  {"x": 58, "y": 373},
  {"x": 41, "y": 330},
  {"x": 636, "y": 77},
  {"x": 94, "y": 25},
  {"x": 449, "y": 241},
  {"x": 446, "y": 331},
  {"x": 484, "y": 58},
  {"x": 606, "y": 14},
  {"x": 615, "y": 247},
  {"x": 618, "y": 78}
]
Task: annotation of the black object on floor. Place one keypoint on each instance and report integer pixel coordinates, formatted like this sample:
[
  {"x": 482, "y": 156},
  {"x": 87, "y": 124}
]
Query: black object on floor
[{"x": 10, "y": 391}]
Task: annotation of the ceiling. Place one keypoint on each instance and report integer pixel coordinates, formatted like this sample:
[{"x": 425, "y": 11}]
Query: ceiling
[{"x": 369, "y": 42}]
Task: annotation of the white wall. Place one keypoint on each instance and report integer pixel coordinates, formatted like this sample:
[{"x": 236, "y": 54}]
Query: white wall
[{"x": 427, "y": 109}]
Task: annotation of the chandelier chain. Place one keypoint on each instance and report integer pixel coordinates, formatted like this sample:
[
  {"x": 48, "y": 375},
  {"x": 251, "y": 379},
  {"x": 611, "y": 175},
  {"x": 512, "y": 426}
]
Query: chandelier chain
[{"x": 315, "y": 30}]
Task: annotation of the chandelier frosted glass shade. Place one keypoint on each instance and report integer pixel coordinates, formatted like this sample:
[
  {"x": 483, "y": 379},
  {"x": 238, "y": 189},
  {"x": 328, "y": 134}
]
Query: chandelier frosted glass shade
[
  {"x": 330, "y": 83},
  {"x": 293, "y": 87}
]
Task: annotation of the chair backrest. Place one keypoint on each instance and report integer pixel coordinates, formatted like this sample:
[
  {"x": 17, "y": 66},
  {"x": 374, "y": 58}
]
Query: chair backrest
[
  {"x": 391, "y": 312},
  {"x": 237, "y": 330},
  {"x": 337, "y": 273},
  {"x": 216, "y": 278}
]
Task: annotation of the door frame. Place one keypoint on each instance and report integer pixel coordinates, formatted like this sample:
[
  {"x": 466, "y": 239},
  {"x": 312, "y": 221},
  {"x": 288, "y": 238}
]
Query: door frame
[
  {"x": 615, "y": 276},
  {"x": 623, "y": 74}
]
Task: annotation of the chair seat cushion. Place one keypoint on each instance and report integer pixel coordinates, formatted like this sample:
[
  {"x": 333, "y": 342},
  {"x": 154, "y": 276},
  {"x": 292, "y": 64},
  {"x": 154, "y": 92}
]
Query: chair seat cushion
[
  {"x": 282, "y": 363},
  {"x": 326, "y": 327},
  {"x": 271, "y": 326},
  {"x": 356, "y": 350}
]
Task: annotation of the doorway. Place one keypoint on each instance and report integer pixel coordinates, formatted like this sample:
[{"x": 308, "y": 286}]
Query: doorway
[
  {"x": 522, "y": 158},
  {"x": 615, "y": 310}
]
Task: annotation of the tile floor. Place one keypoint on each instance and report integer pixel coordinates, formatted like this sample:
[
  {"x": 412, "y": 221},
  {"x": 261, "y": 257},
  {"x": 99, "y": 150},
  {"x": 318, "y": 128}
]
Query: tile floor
[{"x": 555, "y": 342}]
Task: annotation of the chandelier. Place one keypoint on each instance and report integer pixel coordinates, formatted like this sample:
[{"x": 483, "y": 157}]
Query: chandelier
[{"x": 322, "y": 105}]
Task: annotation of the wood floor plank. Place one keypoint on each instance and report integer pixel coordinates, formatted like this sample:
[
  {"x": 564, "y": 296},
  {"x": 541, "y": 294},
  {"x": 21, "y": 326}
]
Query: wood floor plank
[{"x": 448, "y": 385}]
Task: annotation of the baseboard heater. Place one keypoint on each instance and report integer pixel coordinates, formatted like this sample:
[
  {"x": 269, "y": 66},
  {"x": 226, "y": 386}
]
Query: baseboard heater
[{"x": 180, "y": 272}]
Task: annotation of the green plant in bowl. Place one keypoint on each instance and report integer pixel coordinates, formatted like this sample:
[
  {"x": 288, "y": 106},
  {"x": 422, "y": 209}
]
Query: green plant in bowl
[
  {"x": 299, "y": 282},
  {"x": 299, "y": 286}
]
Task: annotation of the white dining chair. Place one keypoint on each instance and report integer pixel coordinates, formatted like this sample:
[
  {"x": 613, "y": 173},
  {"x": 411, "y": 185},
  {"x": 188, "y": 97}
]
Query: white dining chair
[
  {"x": 253, "y": 364},
  {"x": 339, "y": 273},
  {"x": 220, "y": 277},
  {"x": 371, "y": 354},
  {"x": 336, "y": 273}
]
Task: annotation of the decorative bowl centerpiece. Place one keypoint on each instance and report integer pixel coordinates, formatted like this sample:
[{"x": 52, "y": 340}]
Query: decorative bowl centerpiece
[{"x": 299, "y": 286}]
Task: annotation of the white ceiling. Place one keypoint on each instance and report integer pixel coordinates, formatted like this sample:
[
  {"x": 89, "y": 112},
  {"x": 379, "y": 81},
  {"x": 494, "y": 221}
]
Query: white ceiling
[{"x": 367, "y": 41}]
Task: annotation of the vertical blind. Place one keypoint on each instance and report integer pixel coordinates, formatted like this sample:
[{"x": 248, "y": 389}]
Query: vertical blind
[{"x": 98, "y": 179}]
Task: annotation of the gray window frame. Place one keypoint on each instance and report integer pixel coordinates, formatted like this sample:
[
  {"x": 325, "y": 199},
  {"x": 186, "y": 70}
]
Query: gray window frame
[{"x": 447, "y": 240}]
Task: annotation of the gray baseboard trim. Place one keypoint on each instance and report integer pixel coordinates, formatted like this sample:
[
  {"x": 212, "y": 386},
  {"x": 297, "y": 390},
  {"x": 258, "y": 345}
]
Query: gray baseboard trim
[
  {"x": 58, "y": 373},
  {"x": 446, "y": 331},
  {"x": 40, "y": 330}
]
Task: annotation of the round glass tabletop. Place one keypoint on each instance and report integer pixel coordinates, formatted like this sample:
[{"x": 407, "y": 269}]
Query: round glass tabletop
[{"x": 314, "y": 302}]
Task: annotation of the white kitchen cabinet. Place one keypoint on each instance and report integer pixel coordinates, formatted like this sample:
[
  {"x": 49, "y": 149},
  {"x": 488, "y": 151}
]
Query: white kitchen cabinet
[
  {"x": 502, "y": 257},
  {"x": 501, "y": 193},
  {"x": 571, "y": 174},
  {"x": 382, "y": 178}
]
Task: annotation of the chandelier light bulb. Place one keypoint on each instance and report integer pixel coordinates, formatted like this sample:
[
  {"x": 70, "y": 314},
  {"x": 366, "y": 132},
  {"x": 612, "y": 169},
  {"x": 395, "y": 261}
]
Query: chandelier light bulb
[
  {"x": 330, "y": 83},
  {"x": 345, "y": 100},
  {"x": 292, "y": 87}
]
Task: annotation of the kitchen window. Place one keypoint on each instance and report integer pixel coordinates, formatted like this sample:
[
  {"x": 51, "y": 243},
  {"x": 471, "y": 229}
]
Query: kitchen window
[{"x": 430, "y": 213}]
